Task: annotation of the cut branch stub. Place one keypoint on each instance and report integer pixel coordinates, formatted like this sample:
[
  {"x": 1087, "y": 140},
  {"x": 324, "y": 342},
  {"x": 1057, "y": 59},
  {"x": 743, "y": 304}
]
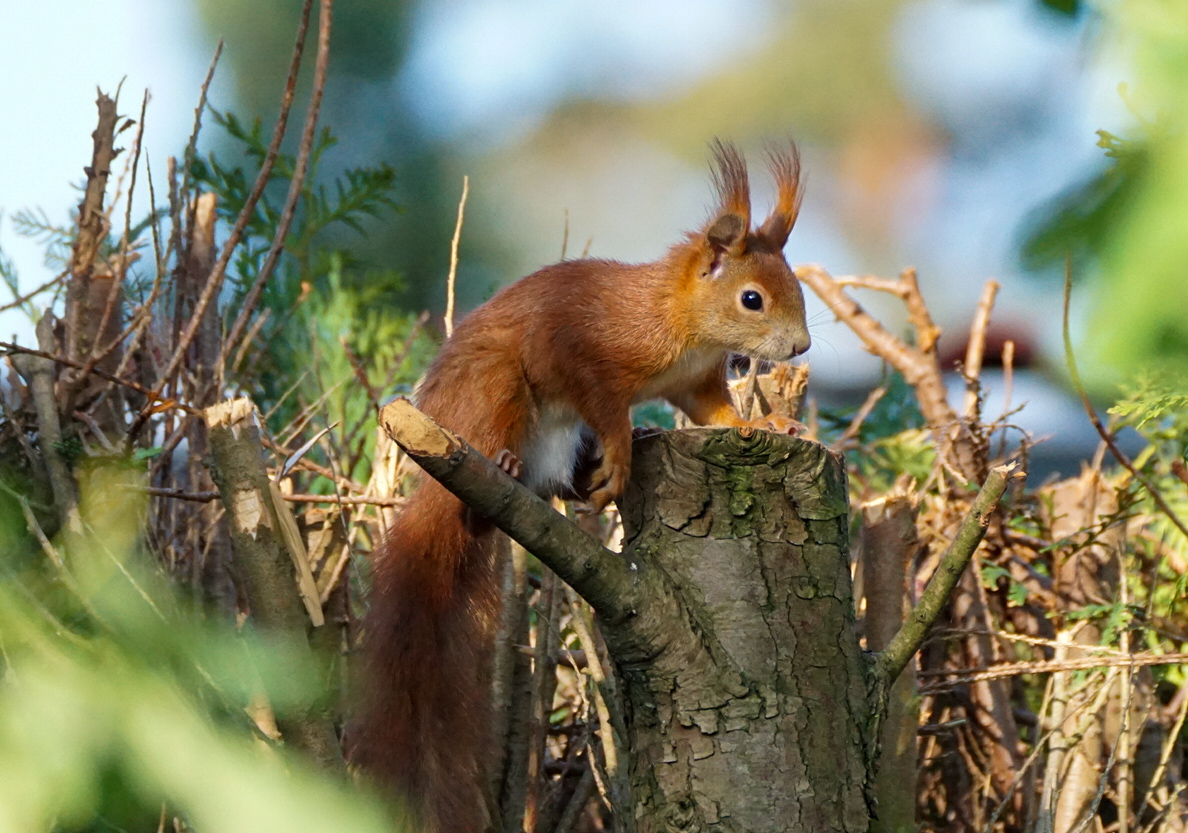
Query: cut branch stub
[
  {"x": 263, "y": 556},
  {"x": 744, "y": 680}
]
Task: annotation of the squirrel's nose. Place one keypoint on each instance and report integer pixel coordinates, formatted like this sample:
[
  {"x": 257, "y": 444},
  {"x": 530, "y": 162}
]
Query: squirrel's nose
[{"x": 800, "y": 343}]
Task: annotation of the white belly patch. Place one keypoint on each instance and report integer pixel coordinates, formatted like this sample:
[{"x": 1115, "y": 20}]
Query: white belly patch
[{"x": 551, "y": 451}]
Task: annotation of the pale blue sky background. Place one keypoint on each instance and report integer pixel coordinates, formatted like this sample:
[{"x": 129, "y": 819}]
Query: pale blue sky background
[{"x": 53, "y": 55}]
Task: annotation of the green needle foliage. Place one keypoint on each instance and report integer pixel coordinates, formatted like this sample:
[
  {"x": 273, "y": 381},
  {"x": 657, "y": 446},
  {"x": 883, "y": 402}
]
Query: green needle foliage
[{"x": 323, "y": 300}]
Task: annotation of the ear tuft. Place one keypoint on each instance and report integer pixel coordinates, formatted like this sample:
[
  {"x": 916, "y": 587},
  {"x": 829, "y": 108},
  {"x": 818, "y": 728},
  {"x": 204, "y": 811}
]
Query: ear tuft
[
  {"x": 730, "y": 181},
  {"x": 785, "y": 167},
  {"x": 727, "y": 232}
]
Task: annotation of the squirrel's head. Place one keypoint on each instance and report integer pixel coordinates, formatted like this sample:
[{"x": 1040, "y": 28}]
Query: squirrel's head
[{"x": 747, "y": 298}]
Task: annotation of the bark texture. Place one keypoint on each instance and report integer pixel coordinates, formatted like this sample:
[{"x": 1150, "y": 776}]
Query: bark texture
[
  {"x": 747, "y": 693},
  {"x": 263, "y": 554},
  {"x": 888, "y": 543}
]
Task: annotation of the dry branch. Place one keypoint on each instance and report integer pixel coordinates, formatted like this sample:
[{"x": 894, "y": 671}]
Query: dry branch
[
  {"x": 598, "y": 574},
  {"x": 919, "y": 364},
  {"x": 214, "y": 281},
  {"x": 262, "y": 540},
  {"x": 92, "y": 231},
  {"x": 300, "y": 168},
  {"x": 895, "y": 657}
]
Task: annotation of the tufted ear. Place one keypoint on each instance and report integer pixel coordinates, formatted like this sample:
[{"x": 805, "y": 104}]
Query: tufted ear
[
  {"x": 785, "y": 166},
  {"x": 727, "y": 233},
  {"x": 728, "y": 230}
]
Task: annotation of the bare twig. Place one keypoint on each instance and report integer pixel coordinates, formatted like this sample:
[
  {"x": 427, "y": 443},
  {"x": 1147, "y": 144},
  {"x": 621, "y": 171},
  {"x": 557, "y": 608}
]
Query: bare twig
[
  {"x": 1170, "y": 743},
  {"x": 1014, "y": 669},
  {"x": 308, "y": 465},
  {"x": 864, "y": 411},
  {"x": 345, "y": 500},
  {"x": 215, "y": 280},
  {"x": 360, "y": 371},
  {"x": 102, "y": 374},
  {"x": 918, "y": 364},
  {"x": 450, "y": 282},
  {"x": 977, "y": 346},
  {"x": 33, "y": 293},
  {"x": 300, "y": 168},
  {"x": 192, "y": 144}
]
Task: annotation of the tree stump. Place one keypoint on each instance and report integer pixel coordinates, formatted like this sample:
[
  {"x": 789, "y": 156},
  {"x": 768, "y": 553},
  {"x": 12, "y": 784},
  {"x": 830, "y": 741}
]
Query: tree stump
[
  {"x": 744, "y": 681},
  {"x": 729, "y": 617}
]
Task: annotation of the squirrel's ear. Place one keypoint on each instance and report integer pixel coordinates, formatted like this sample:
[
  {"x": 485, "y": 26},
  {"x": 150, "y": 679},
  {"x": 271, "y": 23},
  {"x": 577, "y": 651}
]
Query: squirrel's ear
[
  {"x": 728, "y": 233},
  {"x": 728, "y": 230},
  {"x": 785, "y": 166}
]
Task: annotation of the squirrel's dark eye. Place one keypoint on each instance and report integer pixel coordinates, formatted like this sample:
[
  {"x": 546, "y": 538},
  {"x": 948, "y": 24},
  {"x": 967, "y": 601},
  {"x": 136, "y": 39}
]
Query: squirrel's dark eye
[{"x": 752, "y": 300}]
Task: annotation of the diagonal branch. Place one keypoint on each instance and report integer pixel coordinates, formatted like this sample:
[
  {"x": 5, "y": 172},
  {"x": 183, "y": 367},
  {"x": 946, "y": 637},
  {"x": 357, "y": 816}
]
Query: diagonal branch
[
  {"x": 599, "y": 575},
  {"x": 1105, "y": 435},
  {"x": 903, "y": 646},
  {"x": 918, "y": 363},
  {"x": 215, "y": 280},
  {"x": 296, "y": 184}
]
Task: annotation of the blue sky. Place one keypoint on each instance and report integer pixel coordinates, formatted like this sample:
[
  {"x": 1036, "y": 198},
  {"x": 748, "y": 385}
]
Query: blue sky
[{"x": 58, "y": 52}]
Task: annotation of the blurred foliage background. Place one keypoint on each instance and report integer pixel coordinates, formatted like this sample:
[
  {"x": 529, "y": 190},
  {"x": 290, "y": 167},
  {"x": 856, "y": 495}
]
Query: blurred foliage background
[
  {"x": 970, "y": 138},
  {"x": 955, "y": 136}
]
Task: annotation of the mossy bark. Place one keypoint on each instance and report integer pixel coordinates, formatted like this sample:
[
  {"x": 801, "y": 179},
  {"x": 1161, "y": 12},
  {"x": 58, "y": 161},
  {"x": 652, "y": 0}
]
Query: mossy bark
[{"x": 744, "y": 682}]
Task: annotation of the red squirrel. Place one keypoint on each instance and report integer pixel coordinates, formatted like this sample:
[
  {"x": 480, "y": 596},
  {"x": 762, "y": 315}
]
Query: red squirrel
[{"x": 569, "y": 348}]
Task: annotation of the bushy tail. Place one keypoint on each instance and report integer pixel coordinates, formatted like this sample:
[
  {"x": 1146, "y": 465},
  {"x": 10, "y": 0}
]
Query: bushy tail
[{"x": 423, "y": 732}]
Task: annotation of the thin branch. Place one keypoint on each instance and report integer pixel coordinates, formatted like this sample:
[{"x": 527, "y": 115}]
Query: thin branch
[
  {"x": 976, "y": 349},
  {"x": 927, "y": 333},
  {"x": 1105, "y": 435},
  {"x": 449, "y": 312},
  {"x": 602, "y": 577},
  {"x": 102, "y": 374},
  {"x": 360, "y": 371},
  {"x": 215, "y": 280},
  {"x": 895, "y": 657},
  {"x": 964, "y": 676},
  {"x": 20, "y": 300},
  {"x": 346, "y": 500},
  {"x": 876, "y": 284},
  {"x": 868, "y": 405},
  {"x": 308, "y": 465},
  {"x": 300, "y": 168},
  {"x": 192, "y": 144},
  {"x": 917, "y": 363}
]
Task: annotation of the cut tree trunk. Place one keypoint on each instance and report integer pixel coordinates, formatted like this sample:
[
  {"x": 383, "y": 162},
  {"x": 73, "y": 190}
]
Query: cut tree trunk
[
  {"x": 729, "y": 618},
  {"x": 747, "y": 697}
]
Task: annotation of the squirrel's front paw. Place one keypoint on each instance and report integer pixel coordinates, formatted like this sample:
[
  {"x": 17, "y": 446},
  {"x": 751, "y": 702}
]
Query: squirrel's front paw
[
  {"x": 777, "y": 423},
  {"x": 609, "y": 481},
  {"x": 510, "y": 463}
]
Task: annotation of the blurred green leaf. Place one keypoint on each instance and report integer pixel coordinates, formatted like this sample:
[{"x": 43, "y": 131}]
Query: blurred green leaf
[{"x": 124, "y": 708}]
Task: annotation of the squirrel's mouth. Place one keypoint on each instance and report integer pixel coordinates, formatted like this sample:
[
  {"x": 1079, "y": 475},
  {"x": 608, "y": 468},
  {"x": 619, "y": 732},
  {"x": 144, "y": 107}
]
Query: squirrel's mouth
[{"x": 783, "y": 347}]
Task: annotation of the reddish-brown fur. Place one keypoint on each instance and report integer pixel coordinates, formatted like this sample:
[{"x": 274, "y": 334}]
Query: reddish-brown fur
[{"x": 580, "y": 341}]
